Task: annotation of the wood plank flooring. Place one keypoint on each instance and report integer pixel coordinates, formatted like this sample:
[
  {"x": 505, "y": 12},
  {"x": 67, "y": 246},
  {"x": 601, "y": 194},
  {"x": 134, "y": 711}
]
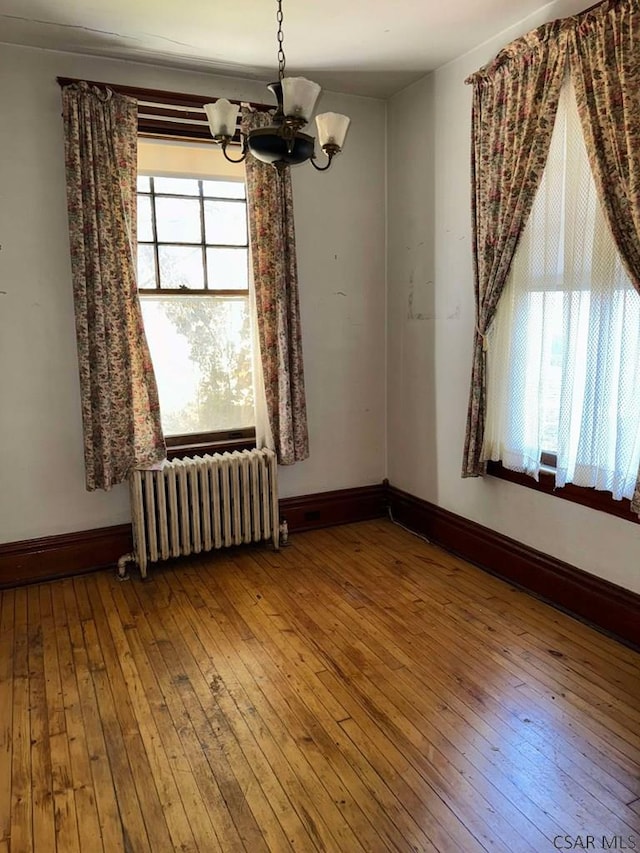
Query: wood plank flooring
[{"x": 361, "y": 690}]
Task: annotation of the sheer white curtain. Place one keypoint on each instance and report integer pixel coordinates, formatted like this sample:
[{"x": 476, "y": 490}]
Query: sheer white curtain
[{"x": 564, "y": 349}]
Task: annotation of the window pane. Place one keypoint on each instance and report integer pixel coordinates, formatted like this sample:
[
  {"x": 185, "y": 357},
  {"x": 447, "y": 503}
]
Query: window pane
[
  {"x": 146, "y": 266},
  {"x": 178, "y": 220},
  {"x": 181, "y": 266},
  {"x": 551, "y": 337},
  {"x": 176, "y": 186},
  {"x": 145, "y": 227},
  {"x": 144, "y": 184},
  {"x": 225, "y": 222},
  {"x": 224, "y": 189},
  {"x": 201, "y": 351},
  {"x": 228, "y": 269}
]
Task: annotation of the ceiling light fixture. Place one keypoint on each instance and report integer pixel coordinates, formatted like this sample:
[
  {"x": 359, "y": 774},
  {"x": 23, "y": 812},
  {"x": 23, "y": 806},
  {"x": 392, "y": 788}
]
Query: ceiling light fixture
[{"x": 283, "y": 143}]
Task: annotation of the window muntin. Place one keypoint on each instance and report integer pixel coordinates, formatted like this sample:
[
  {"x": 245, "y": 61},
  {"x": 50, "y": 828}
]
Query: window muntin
[
  {"x": 193, "y": 285},
  {"x": 186, "y": 225}
]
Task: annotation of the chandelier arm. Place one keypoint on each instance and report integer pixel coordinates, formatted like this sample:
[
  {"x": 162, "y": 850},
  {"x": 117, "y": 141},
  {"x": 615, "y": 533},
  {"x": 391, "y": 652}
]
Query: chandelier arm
[
  {"x": 326, "y": 165},
  {"x": 243, "y": 155}
]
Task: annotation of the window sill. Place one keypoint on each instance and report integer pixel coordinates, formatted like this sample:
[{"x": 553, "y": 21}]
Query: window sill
[
  {"x": 602, "y": 501},
  {"x": 179, "y": 447}
]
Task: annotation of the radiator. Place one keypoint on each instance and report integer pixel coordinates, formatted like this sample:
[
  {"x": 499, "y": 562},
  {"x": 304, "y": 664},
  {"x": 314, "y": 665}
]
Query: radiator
[{"x": 189, "y": 506}]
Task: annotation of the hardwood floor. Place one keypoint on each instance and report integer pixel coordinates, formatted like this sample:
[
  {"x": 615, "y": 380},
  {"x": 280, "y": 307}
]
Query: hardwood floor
[{"x": 359, "y": 690}]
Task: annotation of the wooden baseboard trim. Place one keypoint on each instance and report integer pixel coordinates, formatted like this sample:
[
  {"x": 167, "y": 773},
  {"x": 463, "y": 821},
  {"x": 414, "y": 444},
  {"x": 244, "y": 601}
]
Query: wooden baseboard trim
[
  {"x": 68, "y": 554},
  {"x": 326, "y": 509},
  {"x": 606, "y": 606},
  {"x": 34, "y": 560}
]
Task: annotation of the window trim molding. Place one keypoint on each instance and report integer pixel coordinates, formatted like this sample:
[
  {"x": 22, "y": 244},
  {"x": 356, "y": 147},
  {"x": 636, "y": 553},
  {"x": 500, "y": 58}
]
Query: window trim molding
[
  {"x": 592, "y": 498},
  {"x": 199, "y": 444}
]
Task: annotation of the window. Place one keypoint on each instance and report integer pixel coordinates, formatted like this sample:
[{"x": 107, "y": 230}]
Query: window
[
  {"x": 193, "y": 284},
  {"x": 563, "y": 385}
]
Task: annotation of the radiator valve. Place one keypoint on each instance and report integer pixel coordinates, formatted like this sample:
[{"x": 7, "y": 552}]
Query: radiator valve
[{"x": 123, "y": 574}]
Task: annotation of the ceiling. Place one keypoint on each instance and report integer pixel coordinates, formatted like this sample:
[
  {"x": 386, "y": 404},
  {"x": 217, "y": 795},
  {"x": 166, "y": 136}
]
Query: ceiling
[{"x": 365, "y": 47}]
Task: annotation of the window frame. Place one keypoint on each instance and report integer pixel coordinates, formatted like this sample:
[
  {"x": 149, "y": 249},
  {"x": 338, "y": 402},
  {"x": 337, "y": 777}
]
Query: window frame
[
  {"x": 221, "y": 441},
  {"x": 216, "y": 441},
  {"x": 592, "y": 498},
  {"x": 597, "y": 499}
]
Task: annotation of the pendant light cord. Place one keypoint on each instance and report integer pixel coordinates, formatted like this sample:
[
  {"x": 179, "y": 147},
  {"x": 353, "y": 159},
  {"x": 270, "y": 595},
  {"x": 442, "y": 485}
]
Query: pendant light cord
[{"x": 281, "y": 58}]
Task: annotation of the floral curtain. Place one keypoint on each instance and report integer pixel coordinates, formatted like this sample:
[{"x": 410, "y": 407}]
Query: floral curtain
[
  {"x": 515, "y": 99},
  {"x": 275, "y": 277},
  {"x": 120, "y": 409},
  {"x": 605, "y": 66}
]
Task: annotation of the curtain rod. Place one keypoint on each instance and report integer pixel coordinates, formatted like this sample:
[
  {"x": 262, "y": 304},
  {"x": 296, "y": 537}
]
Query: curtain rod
[
  {"x": 159, "y": 96},
  {"x": 591, "y": 8}
]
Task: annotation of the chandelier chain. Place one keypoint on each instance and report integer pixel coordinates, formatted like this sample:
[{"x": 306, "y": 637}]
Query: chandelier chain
[{"x": 281, "y": 57}]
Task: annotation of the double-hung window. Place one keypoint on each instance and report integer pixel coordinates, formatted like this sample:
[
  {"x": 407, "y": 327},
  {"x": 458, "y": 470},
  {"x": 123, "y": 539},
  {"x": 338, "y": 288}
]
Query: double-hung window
[
  {"x": 563, "y": 383},
  {"x": 194, "y": 291}
]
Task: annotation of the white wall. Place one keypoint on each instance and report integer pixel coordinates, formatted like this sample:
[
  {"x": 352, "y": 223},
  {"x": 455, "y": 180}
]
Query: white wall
[
  {"x": 430, "y": 330},
  {"x": 340, "y": 221}
]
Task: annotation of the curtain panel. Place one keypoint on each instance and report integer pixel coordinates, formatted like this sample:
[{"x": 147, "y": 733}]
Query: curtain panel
[
  {"x": 275, "y": 279},
  {"x": 119, "y": 397},
  {"x": 605, "y": 68},
  {"x": 515, "y": 100}
]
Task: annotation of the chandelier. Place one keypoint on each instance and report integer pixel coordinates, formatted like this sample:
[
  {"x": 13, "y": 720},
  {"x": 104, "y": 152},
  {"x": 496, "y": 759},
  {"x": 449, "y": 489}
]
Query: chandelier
[{"x": 283, "y": 143}]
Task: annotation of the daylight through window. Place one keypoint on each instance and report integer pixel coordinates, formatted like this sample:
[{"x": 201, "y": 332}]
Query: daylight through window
[{"x": 193, "y": 285}]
